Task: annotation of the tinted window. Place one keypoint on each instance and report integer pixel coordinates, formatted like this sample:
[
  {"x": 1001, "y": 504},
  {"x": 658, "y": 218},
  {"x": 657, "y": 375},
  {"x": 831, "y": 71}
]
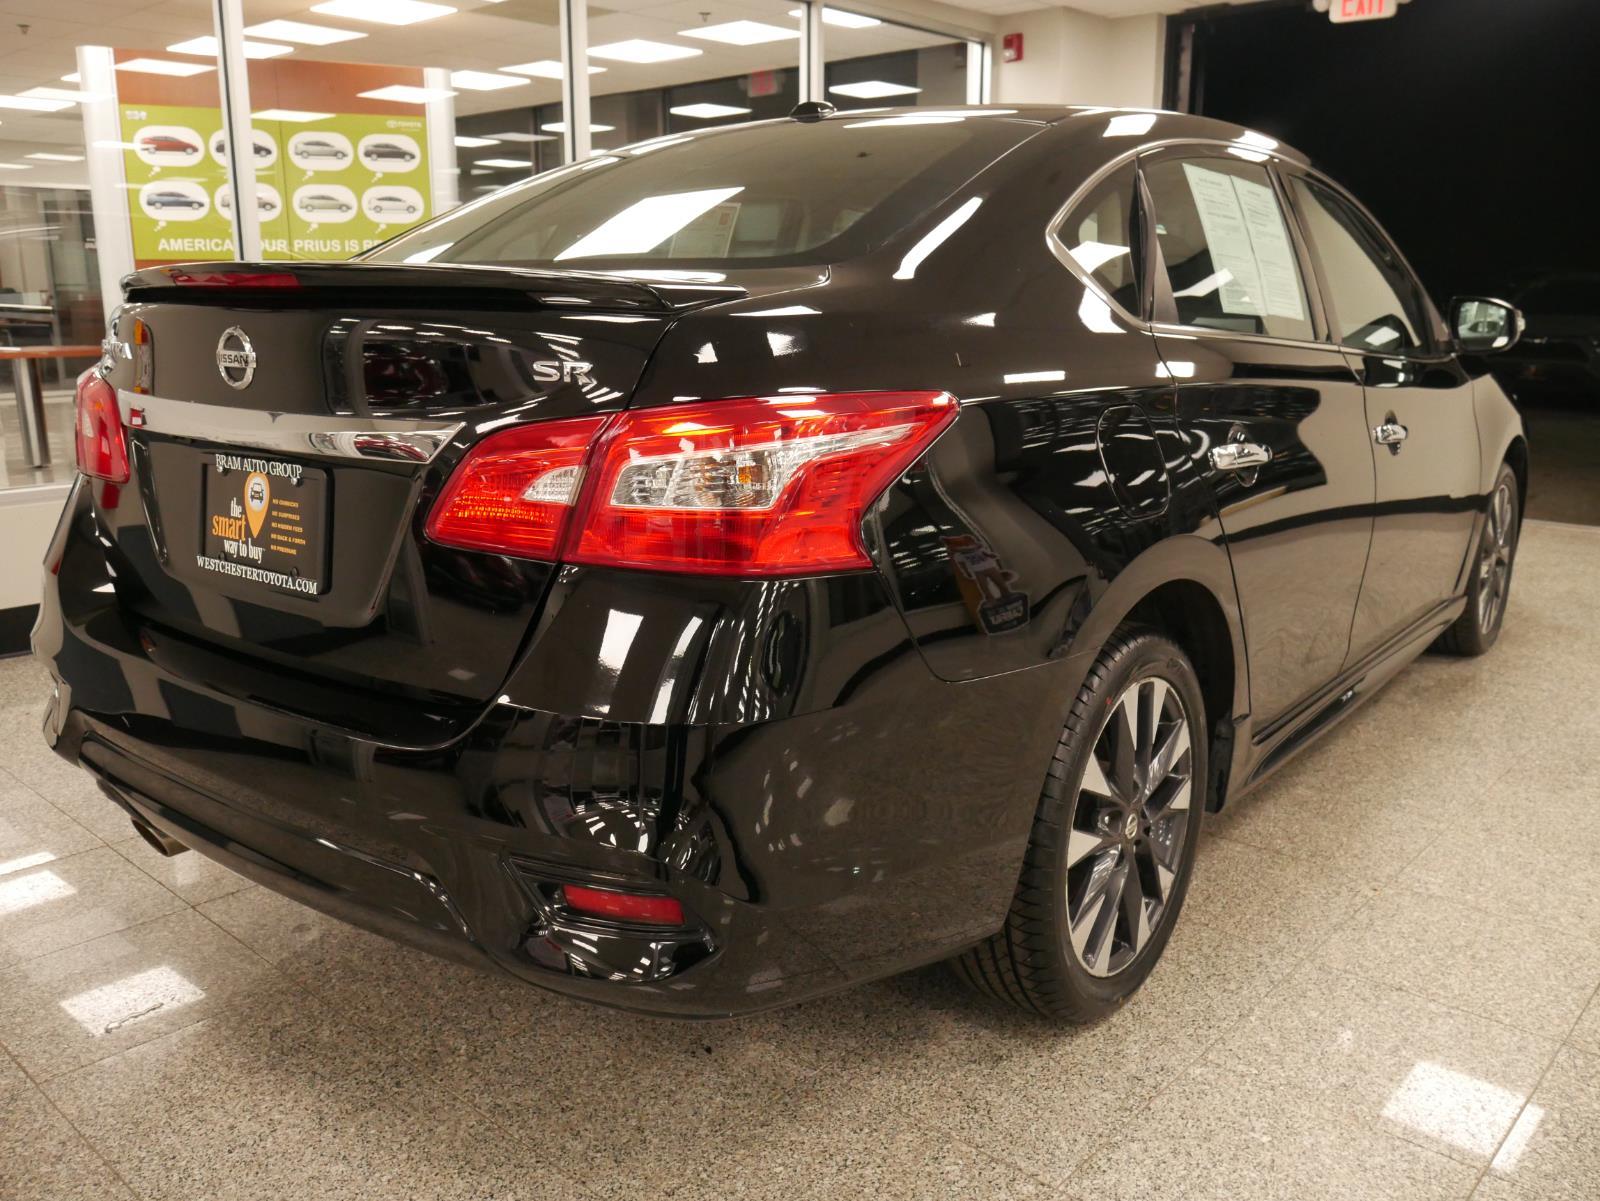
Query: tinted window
[
  {"x": 1374, "y": 303},
  {"x": 1098, "y": 234},
  {"x": 1227, "y": 248},
  {"x": 771, "y": 193}
]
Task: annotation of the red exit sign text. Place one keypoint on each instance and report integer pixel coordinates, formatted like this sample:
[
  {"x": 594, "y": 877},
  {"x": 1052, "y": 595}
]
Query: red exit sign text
[{"x": 1340, "y": 11}]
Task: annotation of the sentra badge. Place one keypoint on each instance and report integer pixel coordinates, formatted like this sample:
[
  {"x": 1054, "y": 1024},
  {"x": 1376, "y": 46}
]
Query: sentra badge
[{"x": 236, "y": 358}]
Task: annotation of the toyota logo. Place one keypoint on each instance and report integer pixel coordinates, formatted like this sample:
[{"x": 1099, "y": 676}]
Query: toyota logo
[{"x": 236, "y": 358}]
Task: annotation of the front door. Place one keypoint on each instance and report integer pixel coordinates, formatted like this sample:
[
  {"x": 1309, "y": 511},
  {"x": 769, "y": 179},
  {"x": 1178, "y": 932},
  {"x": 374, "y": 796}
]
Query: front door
[
  {"x": 1270, "y": 412},
  {"x": 1424, "y": 434}
]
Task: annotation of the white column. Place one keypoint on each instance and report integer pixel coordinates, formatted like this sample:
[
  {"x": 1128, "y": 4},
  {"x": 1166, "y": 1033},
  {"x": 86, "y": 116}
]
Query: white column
[
  {"x": 980, "y": 66},
  {"x": 811, "y": 53},
  {"x": 233, "y": 80},
  {"x": 440, "y": 111},
  {"x": 108, "y": 198},
  {"x": 575, "y": 80}
]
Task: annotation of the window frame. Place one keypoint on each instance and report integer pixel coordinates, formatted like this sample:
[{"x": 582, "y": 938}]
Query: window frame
[
  {"x": 1164, "y": 318},
  {"x": 1436, "y": 344},
  {"x": 1139, "y": 239}
]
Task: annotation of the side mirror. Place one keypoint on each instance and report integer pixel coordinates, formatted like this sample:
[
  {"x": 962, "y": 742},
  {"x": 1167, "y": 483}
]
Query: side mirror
[{"x": 1483, "y": 325}]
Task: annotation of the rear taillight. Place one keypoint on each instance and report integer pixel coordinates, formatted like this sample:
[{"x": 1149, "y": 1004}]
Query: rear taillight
[
  {"x": 775, "y": 486},
  {"x": 759, "y": 487},
  {"x": 515, "y": 490},
  {"x": 102, "y": 445}
]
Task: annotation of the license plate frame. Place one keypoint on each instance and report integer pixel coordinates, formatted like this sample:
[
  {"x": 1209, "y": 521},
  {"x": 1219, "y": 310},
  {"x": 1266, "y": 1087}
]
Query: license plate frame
[{"x": 264, "y": 522}]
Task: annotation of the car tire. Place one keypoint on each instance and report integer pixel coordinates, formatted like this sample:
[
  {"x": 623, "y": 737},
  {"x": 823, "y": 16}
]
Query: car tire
[
  {"x": 1489, "y": 584},
  {"x": 1059, "y": 953}
]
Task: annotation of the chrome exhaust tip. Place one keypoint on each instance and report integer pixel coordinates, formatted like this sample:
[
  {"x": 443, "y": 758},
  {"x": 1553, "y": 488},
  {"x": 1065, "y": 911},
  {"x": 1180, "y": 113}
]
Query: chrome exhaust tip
[{"x": 163, "y": 843}]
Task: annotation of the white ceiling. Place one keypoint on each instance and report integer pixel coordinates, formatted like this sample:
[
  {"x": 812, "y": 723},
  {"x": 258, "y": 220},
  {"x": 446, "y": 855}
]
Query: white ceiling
[{"x": 481, "y": 35}]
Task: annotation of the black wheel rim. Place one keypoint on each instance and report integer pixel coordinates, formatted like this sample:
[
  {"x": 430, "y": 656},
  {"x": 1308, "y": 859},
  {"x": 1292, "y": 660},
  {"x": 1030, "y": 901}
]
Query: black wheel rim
[
  {"x": 1494, "y": 559},
  {"x": 1130, "y": 827}
]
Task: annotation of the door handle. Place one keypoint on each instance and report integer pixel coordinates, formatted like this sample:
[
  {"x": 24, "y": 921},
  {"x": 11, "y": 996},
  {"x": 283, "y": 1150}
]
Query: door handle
[
  {"x": 1391, "y": 434},
  {"x": 1240, "y": 456}
]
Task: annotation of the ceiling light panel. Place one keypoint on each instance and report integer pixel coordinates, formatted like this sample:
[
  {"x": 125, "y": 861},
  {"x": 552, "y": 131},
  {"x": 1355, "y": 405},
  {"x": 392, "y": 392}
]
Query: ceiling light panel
[
  {"x": 405, "y": 93},
  {"x": 384, "y": 12},
  {"x": 546, "y": 68},
  {"x": 35, "y": 104},
  {"x": 707, "y": 112},
  {"x": 561, "y": 127},
  {"x": 642, "y": 50},
  {"x": 302, "y": 34},
  {"x": 508, "y": 164},
  {"x": 164, "y": 66},
  {"x": 485, "y": 81},
  {"x": 742, "y": 33},
  {"x": 873, "y": 89},
  {"x": 207, "y": 46},
  {"x": 466, "y": 142},
  {"x": 293, "y": 116},
  {"x": 56, "y": 158}
]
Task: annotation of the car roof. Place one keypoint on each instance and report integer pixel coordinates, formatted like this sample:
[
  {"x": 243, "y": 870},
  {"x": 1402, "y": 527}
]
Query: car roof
[{"x": 1085, "y": 122}]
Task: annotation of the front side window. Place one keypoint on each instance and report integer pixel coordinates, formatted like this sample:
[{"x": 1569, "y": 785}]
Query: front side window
[
  {"x": 1229, "y": 257},
  {"x": 1375, "y": 303},
  {"x": 1099, "y": 235}
]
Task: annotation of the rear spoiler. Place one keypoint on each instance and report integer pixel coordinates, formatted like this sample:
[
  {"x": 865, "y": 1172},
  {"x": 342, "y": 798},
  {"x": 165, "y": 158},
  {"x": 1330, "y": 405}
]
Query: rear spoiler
[{"x": 414, "y": 286}]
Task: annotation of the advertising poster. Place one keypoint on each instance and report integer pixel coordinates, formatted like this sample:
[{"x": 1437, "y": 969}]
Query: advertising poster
[{"x": 327, "y": 187}]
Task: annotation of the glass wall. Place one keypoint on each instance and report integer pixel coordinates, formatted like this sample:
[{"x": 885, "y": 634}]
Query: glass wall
[
  {"x": 871, "y": 63},
  {"x": 75, "y": 109},
  {"x": 367, "y": 117}
]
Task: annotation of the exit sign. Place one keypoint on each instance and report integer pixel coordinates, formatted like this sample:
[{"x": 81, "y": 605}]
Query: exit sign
[{"x": 1340, "y": 11}]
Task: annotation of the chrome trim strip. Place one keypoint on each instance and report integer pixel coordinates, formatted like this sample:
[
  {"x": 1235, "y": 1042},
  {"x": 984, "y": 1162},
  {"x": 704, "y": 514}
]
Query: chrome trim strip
[
  {"x": 385, "y": 439},
  {"x": 1200, "y": 332}
]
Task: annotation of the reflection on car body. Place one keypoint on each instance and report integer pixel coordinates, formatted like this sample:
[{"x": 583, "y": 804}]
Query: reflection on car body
[{"x": 788, "y": 555}]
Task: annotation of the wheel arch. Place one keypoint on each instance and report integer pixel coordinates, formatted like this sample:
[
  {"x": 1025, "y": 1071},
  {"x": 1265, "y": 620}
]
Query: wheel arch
[
  {"x": 1516, "y": 456},
  {"x": 1184, "y": 588}
]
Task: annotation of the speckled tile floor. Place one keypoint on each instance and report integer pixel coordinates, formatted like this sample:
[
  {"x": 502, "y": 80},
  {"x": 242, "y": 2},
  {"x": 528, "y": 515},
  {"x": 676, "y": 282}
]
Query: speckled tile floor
[{"x": 1384, "y": 986}]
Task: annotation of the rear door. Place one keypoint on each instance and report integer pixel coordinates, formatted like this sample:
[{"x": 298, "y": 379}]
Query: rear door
[
  {"x": 1424, "y": 435},
  {"x": 1272, "y": 414}
]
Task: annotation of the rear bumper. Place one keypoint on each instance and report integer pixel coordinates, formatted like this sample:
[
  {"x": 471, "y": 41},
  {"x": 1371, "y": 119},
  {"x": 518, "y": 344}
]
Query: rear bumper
[{"x": 812, "y": 851}]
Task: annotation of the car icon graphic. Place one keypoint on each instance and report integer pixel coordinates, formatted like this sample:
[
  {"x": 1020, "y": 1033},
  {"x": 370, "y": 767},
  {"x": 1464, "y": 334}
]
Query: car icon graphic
[
  {"x": 264, "y": 204},
  {"x": 172, "y": 200},
  {"x": 321, "y": 202},
  {"x": 317, "y": 148},
  {"x": 387, "y": 150},
  {"x": 391, "y": 204},
  {"x": 165, "y": 143}
]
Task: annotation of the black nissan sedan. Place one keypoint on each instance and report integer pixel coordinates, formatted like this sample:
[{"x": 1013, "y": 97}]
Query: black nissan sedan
[{"x": 757, "y": 561}]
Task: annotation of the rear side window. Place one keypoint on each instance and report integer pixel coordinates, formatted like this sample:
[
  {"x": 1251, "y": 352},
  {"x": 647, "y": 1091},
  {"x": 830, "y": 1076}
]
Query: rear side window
[
  {"x": 1099, "y": 236},
  {"x": 1375, "y": 304},
  {"x": 1229, "y": 257},
  {"x": 773, "y": 194}
]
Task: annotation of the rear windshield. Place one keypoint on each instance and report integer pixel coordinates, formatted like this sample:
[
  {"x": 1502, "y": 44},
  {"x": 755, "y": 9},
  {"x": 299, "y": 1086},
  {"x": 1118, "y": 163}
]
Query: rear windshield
[{"x": 774, "y": 194}]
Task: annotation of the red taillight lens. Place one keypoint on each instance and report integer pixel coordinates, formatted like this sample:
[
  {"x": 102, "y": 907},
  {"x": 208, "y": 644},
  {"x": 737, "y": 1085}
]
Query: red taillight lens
[
  {"x": 761, "y": 487},
  {"x": 102, "y": 444},
  {"x": 515, "y": 490},
  {"x": 623, "y": 906}
]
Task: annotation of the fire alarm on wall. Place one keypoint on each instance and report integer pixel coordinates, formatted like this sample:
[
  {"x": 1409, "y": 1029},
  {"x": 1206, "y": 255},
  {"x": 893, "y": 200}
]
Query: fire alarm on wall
[{"x": 1011, "y": 48}]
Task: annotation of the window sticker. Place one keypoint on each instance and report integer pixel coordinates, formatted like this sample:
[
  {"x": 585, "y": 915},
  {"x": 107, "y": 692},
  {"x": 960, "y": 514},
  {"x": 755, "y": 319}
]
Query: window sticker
[
  {"x": 1249, "y": 245},
  {"x": 709, "y": 235}
]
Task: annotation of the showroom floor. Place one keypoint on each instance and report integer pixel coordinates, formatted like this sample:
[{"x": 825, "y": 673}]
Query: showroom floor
[{"x": 1384, "y": 986}]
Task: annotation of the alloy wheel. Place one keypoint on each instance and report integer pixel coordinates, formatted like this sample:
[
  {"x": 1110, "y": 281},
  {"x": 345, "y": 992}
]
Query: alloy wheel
[
  {"x": 1494, "y": 559},
  {"x": 1129, "y": 827}
]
